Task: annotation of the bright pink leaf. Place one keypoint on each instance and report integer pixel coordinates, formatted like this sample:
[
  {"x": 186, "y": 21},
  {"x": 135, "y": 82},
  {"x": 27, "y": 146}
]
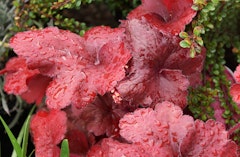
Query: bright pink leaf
[
  {"x": 48, "y": 129},
  {"x": 169, "y": 16},
  {"x": 79, "y": 69}
]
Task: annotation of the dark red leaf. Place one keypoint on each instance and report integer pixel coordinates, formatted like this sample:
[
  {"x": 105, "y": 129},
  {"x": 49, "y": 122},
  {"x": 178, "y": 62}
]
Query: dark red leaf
[
  {"x": 155, "y": 72},
  {"x": 77, "y": 140},
  {"x": 169, "y": 16}
]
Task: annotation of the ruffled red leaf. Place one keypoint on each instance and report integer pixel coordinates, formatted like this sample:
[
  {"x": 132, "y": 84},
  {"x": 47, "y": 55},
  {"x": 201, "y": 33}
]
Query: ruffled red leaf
[
  {"x": 169, "y": 16},
  {"x": 48, "y": 129},
  {"x": 210, "y": 139},
  {"x": 163, "y": 128},
  {"x": 79, "y": 69},
  {"x": 165, "y": 131},
  {"x": 17, "y": 75},
  {"x": 23, "y": 81}
]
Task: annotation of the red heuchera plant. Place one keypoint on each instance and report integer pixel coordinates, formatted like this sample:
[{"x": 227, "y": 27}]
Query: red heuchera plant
[
  {"x": 95, "y": 84},
  {"x": 80, "y": 67},
  {"x": 165, "y": 131}
]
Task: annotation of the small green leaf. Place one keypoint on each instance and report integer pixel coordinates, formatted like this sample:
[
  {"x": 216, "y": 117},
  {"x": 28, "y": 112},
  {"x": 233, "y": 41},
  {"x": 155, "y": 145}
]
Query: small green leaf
[
  {"x": 13, "y": 140},
  {"x": 215, "y": 1},
  {"x": 210, "y": 7},
  {"x": 216, "y": 72},
  {"x": 195, "y": 7},
  {"x": 183, "y": 35},
  {"x": 64, "y": 149},
  {"x": 199, "y": 41},
  {"x": 192, "y": 52},
  {"x": 198, "y": 30},
  {"x": 185, "y": 43},
  {"x": 210, "y": 25}
]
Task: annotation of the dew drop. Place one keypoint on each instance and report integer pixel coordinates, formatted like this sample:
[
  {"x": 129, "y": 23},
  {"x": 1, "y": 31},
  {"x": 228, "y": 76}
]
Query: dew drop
[
  {"x": 211, "y": 133},
  {"x": 215, "y": 152},
  {"x": 165, "y": 126},
  {"x": 64, "y": 58},
  {"x": 145, "y": 139},
  {"x": 149, "y": 132},
  {"x": 43, "y": 52},
  {"x": 151, "y": 143},
  {"x": 158, "y": 123},
  {"x": 165, "y": 132},
  {"x": 119, "y": 149},
  {"x": 160, "y": 130},
  {"x": 203, "y": 144},
  {"x": 160, "y": 143},
  {"x": 84, "y": 76}
]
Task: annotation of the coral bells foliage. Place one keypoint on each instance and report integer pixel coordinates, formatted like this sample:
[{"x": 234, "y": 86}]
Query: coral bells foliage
[
  {"x": 95, "y": 84},
  {"x": 166, "y": 132},
  {"x": 79, "y": 66}
]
